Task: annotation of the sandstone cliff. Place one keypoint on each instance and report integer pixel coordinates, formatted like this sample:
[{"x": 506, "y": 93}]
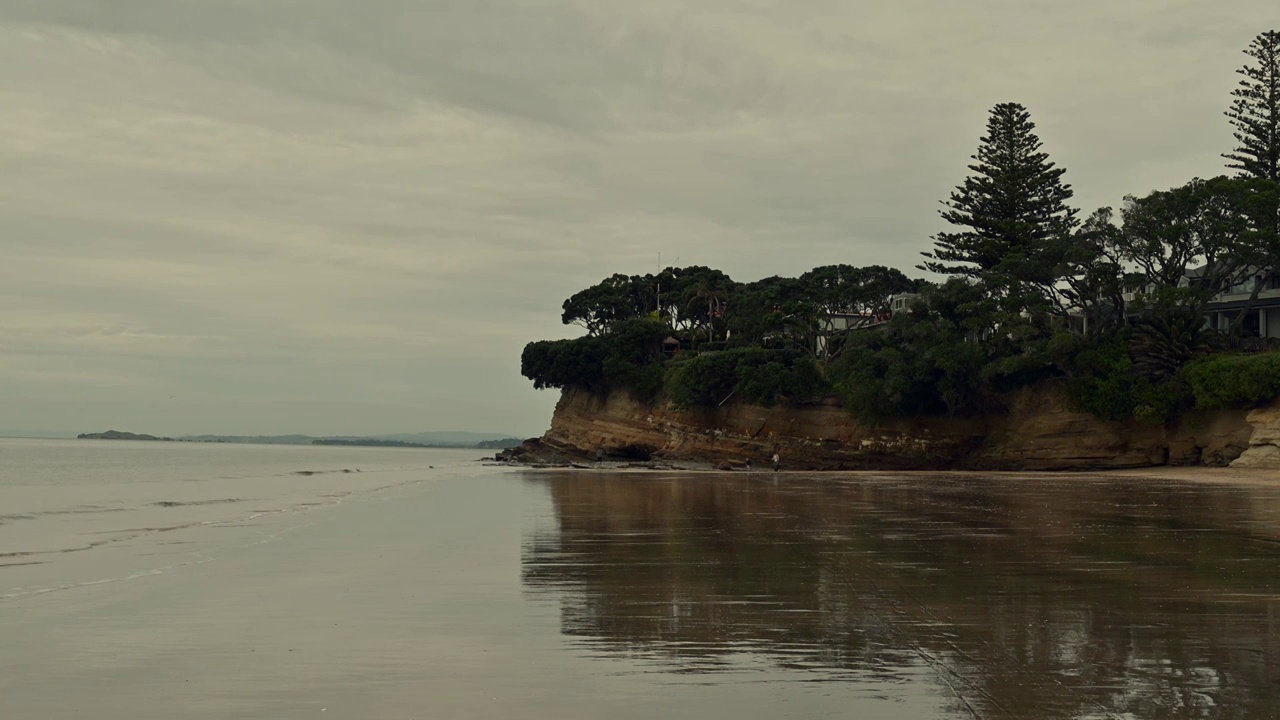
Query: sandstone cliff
[
  {"x": 1038, "y": 432},
  {"x": 1263, "y": 450}
]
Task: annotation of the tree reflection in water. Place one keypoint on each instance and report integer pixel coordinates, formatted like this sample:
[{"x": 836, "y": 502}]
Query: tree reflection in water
[{"x": 1038, "y": 597}]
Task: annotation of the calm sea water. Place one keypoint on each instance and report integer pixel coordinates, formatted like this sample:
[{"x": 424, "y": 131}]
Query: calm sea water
[{"x": 202, "y": 581}]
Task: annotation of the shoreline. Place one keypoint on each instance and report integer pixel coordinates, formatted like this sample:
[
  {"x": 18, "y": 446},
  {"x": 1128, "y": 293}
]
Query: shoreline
[{"x": 1258, "y": 477}]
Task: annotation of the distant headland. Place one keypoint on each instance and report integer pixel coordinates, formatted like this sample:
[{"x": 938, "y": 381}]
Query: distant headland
[
  {"x": 367, "y": 442},
  {"x": 458, "y": 440},
  {"x": 118, "y": 435}
]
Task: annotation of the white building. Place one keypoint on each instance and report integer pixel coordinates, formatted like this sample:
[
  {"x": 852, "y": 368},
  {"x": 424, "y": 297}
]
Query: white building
[{"x": 1262, "y": 320}]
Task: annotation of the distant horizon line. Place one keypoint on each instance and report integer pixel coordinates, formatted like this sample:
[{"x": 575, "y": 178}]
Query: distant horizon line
[{"x": 10, "y": 434}]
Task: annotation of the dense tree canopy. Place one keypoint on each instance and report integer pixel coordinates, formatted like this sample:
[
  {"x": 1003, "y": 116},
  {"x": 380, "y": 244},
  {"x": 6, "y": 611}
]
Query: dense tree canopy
[
  {"x": 616, "y": 298},
  {"x": 1113, "y": 308},
  {"x": 1198, "y": 228},
  {"x": 836, "y": 289}
]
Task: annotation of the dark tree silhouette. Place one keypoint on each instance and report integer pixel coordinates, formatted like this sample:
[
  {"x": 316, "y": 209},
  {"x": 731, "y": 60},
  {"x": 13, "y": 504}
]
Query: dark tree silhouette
[
  {"x": 1255, "y": 112},
  {"x": 1015, "y": 224}
]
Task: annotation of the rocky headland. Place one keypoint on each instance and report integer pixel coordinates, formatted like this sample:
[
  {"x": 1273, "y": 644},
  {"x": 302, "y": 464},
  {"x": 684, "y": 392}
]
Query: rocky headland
[{"x": 1037, "y": 431}]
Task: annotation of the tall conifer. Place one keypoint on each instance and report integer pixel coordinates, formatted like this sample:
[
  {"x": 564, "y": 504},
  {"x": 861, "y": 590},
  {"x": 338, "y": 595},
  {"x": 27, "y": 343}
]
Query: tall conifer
[
  {"x": 1255, "y": 112},
  {"x": 1012, "y": 214}
]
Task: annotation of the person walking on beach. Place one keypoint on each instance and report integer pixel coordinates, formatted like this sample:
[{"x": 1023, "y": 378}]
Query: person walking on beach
[
  {"x": 599, "y": 456},
  {"x": 777, "y": 462}
]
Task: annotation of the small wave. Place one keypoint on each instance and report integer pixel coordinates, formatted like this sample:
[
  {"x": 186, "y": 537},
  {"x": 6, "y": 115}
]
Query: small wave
[
  {"x": 17, "y": 516},
  {"x": 121, "y": 535},
  {"x": 175, "y": 503},
  {"x": 90, "y": 510}
]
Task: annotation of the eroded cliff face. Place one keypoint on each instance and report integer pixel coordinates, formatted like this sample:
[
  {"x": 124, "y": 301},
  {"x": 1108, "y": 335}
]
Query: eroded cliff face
[
  {"x": 1038, "y": 432},
  {"x": 1263, "y": 450}
]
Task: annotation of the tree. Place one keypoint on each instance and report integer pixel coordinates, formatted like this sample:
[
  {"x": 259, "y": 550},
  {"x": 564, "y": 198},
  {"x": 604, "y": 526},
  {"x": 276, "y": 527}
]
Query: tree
[
  {"x": 616, "y": 298},
  {"x": 833, "y": 290},
  {"x": 924, "y": 362},
  {"x": 1094, "y": 281},
  {"x": 754, "y": 312},
  {"x": 861, "y": 290},
  {"x": 1187, "y": 244},
  {"x": 1016, "y": 226},
  {"x": 702, "y": 293},
  {"x": 1255, "y": 111},
  {"x": 628, "y": 356}
]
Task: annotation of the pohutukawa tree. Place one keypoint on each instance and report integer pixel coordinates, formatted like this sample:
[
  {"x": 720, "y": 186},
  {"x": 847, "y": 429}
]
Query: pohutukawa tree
[
  {"x": 1255, "y": 112},
  {"x": 1014, "y": 222}
]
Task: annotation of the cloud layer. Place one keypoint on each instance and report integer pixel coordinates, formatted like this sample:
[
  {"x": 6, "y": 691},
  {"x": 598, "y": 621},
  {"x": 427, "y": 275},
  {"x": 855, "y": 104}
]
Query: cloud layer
[{"x": 329, "y": 216}]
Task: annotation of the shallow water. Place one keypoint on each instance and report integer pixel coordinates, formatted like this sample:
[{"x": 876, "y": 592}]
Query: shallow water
[
  {"x": 1055, "y": 597},
  {"x": 430, "y": 586}
]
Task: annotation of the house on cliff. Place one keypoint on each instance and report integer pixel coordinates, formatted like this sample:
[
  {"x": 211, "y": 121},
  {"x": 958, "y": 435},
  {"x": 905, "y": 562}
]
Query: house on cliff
[
  {"x": 901, "y": 302},
  {"x": 1262, "y": 318},
  {"x": 1261, "y": 314},
  {"x": 844, "y": 322}
]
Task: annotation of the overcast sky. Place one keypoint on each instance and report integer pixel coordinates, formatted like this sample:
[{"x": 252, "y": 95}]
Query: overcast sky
[{"x": 342, "y": 216}]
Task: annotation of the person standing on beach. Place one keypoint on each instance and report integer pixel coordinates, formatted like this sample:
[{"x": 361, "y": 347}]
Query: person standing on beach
[
  {"x": 777, "y": 462},
  {"x": 599, "y": 456}
]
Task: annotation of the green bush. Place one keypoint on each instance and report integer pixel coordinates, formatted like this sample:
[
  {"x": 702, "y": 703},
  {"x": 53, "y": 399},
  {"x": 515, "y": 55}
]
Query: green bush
[
  {"x": 794, "y": 376},
  {"x": 752, "y": 375},
  {"x": 1103, "y": 382},
  {"x": 927, "y": 361},
  {"x": 702, "y": 380},
  {"x": 1161, "y": 403},
  {"x": 1229, "y": 381}
]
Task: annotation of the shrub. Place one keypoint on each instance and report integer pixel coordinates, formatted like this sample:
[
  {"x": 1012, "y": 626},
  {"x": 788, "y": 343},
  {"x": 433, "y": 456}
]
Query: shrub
[
  {"x": 925, "y": 362},
  {"x": 752, "y": 375},
  {"x": 1102, "y": 381},
  {"x": 1161, "y": 403},
  {"x": 925, "y": 371},
  {"x": 702, "y": 380},
  {"x": 1227, "y": 381}
]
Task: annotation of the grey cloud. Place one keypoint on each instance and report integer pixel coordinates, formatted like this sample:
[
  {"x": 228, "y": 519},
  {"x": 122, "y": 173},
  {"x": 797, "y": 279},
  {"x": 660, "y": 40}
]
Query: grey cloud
[
  {"x": 560, "y": 64},
  {"x": 271, "y": 207}
]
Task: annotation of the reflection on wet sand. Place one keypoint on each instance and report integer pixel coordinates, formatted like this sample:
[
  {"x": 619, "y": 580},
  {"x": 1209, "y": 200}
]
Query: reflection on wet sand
[{"x": 1048, "y": 597}]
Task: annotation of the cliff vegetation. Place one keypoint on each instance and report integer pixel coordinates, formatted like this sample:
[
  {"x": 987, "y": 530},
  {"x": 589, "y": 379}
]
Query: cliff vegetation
[{"x": 1112, "y": 311}]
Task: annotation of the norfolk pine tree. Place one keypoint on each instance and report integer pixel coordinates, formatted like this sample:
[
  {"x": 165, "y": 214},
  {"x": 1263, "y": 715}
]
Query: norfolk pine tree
[
  {"x": 1255, "y": 117},
  {"x": 1012, "y": 214},
  {"x": 1255, "y": 112}
]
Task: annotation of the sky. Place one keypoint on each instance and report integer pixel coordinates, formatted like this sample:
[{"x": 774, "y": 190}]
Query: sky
[{"x": 328, "y": 216}]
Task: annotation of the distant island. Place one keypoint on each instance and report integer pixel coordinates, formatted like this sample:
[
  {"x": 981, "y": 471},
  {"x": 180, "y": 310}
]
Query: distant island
[
  {"x": 455, "y": 440},
  {"x": 118, "y": 435}
]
